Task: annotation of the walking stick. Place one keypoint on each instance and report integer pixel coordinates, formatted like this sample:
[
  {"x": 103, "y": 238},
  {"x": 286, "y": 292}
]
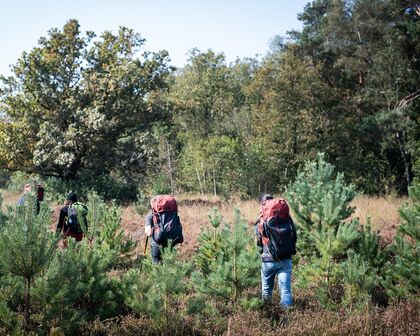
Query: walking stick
[{"x": 145, "y": 245}]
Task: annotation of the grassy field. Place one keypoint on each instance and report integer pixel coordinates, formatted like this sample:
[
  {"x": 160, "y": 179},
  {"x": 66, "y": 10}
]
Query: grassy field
[{"x": 194, "y": 210}]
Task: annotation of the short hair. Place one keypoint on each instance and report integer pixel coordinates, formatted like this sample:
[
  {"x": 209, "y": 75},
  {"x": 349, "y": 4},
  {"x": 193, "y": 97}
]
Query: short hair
[
  {"x": 266, "y": 197},
  {"x": 71, "y": 196}
]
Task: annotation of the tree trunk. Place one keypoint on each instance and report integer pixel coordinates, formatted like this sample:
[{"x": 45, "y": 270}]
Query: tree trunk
[
  {"x": 27, "y": 312},
  {"x": 199, "y": 181},
  {"x": 168, "y": 146},
  {"x": 406, "y": 159},
  {"x": 214, "y": 182}
]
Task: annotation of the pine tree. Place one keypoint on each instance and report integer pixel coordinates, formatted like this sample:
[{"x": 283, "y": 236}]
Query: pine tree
[
  {"x": 105, "y": 229},
  {"x": 83, "y": 282},
  {"x": 234, "y": 264},
  {"x": 320, "y": 203},
  {"x": 26, "y": 247},
  {"x": 79, "y": 286},
  {"x": 402, "y": 278},
  {"x": 155, "y": 290},
  {"x": 210, "y": 242},
  {"x": 358, "y": 279},
  {"x": 368, "y": 246}
]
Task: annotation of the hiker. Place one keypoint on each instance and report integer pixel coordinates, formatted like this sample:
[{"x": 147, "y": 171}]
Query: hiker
[
  {"x": 27, "y": 189},
  {"x": 276, "y": 239},
  {"x": 162, "y": 224},
  {"x": 72, "y": 221}
]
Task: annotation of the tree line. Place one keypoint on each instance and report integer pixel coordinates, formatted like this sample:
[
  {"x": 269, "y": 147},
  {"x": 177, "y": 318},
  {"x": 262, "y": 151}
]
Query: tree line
[{"x": 102, "y": 111}]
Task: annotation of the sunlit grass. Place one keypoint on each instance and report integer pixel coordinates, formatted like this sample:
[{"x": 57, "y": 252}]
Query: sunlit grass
[{"x": 194, "y": 210}]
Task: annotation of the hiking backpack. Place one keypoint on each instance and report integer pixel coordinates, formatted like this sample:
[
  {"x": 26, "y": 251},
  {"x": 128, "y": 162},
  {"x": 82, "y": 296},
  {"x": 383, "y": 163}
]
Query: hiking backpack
[
  {"x": 166, "y": 220},
  {"x": 76, "y": 217},
  {"x": 276, "y": 229},
  {"x": 39, "y": 192}
]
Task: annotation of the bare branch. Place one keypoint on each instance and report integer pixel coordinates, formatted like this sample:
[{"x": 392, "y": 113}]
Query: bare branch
[{"x": 406, "y": 101}]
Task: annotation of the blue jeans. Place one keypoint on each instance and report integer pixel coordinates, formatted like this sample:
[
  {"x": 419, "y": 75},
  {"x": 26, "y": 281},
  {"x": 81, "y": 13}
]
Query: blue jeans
[{"x": 283, "y": 270}]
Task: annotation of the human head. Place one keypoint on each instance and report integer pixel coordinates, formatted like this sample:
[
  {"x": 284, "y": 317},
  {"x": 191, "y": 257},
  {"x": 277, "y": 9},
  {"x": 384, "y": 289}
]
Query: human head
[
  {"x": 27, "y": 188},
  {"x": 266, "y": 197},
  {"x": 71, "y": 197}
]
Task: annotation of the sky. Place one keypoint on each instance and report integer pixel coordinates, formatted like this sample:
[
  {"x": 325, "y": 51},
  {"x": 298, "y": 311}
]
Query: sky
[{"x": 238, "y": 28}]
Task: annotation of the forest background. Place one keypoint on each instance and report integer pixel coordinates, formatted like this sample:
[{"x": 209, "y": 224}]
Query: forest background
[{"x": 101, "y": 112}]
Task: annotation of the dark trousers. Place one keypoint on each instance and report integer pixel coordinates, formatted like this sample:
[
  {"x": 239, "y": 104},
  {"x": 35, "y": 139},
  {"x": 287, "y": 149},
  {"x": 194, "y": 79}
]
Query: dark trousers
[{"x": 156, "y": 250}]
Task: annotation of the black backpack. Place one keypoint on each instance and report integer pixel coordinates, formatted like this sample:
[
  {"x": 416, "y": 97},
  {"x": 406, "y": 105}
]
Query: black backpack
[
  {"x": 167, "y": 225},
  {"x": 76, "y": 217},
  {"x": 281, "y": 234}
]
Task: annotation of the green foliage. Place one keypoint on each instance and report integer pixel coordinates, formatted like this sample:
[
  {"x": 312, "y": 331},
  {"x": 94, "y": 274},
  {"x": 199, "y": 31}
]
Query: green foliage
[
  {"x": 367, "y": 49},
  {"x": 72, "y": 102},
  {"x": 156, "y": 290},
  {"x": 161, "y": 185},
  {"x": 17, "y": 181},
  {"x": 232, "y": 264},
  {"x": 210, "y": 241},
  {"x": 212, "y": 166},
  {"x": 142, "y": 204},
  {"x": 3, "y": 216},
  {"x": 320, "y": 204},
  {"x": 107, "y": 186},
  {"x": 26, "y": 249},
  {"x": 11, "y": 299},
  {"x": 104, "y": 228},
  {"x": 342, "y": 262},
  {"x": 402, "y": 278},
  {"x": 78, "y": 287},
  {"x": 346, "y": 85},
  {"x": 369, "y": 247},
  {"x": 358, "y": 280}
]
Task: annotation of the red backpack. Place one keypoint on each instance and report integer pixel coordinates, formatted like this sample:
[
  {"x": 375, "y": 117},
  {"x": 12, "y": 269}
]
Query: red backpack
[
  {"x": 275, "y": 208},
  {"x": 164, "y": 203},
  {"x": 39, "y": 192},
  {"x": 167, "y": 224},
  {"x": 276, "y": 229}
]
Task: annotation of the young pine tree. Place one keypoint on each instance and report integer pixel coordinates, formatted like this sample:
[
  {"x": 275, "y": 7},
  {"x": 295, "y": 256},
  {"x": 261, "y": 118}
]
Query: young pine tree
[
  {"x": 320, "y": 202},
  {"x": 105, "y": 229},
  {"x": 233, "y": 264},
  {"x": 210, "y": 242},
  {"x": 27, "y": 245},
  {"x": 155, "y": 291},
  {"x": 402, "y": 279}
]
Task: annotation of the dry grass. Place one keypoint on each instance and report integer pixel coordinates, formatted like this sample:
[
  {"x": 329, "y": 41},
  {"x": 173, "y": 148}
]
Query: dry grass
[
  {"x": 383, "y": 213},
  {"x": 194, "y": 210},
  {"x": 401, "y": 319},
  {"x": 9, "y": 198}
]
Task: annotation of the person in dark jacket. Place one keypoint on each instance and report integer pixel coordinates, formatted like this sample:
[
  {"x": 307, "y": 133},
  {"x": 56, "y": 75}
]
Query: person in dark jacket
[
  {"x": 155, "y": 248},
  {"x": 272, "y": 266},
  {"x": 158, "y": 244},
  {"x": 64, "y": 226}
]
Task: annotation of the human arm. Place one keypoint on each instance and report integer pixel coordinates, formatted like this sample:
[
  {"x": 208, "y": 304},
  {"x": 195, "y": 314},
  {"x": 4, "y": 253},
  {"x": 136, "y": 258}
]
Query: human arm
[
  {"x": 61, "y": 220},
  {"x": 148, "y": 227},
  {"x": 258, "y": 236}
]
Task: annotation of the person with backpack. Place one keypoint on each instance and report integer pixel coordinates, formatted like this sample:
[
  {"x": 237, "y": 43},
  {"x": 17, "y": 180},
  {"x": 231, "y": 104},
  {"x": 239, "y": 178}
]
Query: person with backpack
[
  {"x": 39, "y": 193},
  {"x": 163, "y": 225},
  {"x": 72, "y": 221},
  {"x": 276, "y": 240}
]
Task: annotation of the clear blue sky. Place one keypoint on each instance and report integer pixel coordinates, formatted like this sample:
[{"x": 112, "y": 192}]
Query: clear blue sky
[{"x": 238, "y": 28}]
